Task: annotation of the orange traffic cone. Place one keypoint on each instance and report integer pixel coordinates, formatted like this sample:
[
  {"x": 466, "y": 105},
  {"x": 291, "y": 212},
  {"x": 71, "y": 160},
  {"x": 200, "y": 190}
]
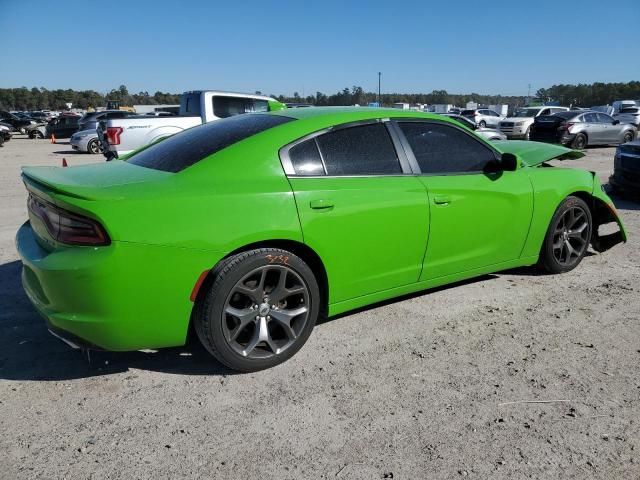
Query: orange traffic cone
[
  {"x": 53, "y": 138},
  {"x": 64, "y": 162}
]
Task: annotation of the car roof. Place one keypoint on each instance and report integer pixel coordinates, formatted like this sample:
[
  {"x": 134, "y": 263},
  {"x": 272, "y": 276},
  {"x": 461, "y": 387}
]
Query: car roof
[{"x": 353, "y": 113}]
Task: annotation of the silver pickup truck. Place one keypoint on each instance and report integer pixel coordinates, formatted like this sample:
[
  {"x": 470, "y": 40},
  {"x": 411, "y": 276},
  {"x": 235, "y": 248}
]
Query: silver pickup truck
[{"x": 122, "y": 136}]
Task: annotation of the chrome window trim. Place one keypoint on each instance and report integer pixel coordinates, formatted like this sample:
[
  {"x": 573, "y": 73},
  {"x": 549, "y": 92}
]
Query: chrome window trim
[{"x": 289, "y": 171}]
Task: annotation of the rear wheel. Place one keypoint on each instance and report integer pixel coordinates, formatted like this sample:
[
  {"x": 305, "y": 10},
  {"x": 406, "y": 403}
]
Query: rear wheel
[
  {"x": 259, "y": 310},
  {"x": 628, "y": 137},
  {"x": 94, "y": 146},
  {"x": 568, "y": 236},
  {"x": 580, "y": 142}
]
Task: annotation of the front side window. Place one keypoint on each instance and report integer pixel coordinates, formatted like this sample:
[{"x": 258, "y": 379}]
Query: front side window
[
  {"x": 445, "y": 149},
  {"x": 359, "y": 150},
  {"x": 604, "y": 118}
]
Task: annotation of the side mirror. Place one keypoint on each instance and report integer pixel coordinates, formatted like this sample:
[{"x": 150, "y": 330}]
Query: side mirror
[
  {"x": 616, "y": 122},
  {"x": 509, "y": 162}
]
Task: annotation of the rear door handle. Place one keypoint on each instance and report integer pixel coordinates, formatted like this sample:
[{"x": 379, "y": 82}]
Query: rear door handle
[
  {"x": 321, "y": 204},
  {"x": 441, "y": 199}
]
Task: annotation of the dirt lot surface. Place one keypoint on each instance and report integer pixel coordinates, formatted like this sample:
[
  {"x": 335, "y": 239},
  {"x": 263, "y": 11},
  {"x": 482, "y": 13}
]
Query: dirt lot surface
[{"x": 431, "y": 386}]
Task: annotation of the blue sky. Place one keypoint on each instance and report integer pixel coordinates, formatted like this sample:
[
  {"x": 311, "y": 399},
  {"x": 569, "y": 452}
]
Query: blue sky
[{"x": 280, "y": 47}]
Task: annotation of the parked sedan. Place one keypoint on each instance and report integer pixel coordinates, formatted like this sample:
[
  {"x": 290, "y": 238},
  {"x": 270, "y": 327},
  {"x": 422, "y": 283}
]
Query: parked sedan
[
  {"x": 251, "y": 228},
  {"x": 86, "y": 141},
  {"x": 483, "y": 117},
  {"x": 581, "y": 129},
  {"x": 487, "y": 133},
  {"x": 626, "y": 169}
]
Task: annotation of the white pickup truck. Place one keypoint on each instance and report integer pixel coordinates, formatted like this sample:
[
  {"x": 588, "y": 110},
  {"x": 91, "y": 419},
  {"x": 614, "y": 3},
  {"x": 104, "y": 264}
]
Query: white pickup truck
[{"x": 122, "y": 136}]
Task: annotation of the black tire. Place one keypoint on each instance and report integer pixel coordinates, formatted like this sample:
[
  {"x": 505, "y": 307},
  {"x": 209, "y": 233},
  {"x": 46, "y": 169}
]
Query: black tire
[
  {"x": 568, "y": 236},
  {"x": 94, "y": 146},
  {"x": 36, "y": 134},
  {"x": 243, "y": 284},
  {"x": 628, "y": 137},
  {"x": 482, "y": 124},
  {"x": 579, "y": 142}
]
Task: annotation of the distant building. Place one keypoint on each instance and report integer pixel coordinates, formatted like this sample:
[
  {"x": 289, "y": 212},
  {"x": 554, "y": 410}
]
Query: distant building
[{"x": 401, "y": 106}]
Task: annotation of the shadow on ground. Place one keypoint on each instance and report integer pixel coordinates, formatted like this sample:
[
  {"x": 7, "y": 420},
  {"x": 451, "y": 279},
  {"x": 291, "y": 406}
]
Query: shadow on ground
[{"x": 29, "y": 352}]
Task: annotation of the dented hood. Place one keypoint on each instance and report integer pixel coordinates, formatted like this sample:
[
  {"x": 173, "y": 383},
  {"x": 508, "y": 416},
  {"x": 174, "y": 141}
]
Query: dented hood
[{"x": 535, "y": 153}]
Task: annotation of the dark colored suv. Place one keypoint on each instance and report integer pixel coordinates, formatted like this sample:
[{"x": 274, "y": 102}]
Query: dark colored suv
[
  {"x": 626, "y": 169},
  {"x": 90, "y": 120}
]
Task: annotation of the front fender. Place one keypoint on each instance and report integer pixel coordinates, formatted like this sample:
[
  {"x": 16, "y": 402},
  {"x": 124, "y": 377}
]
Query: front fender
[{"x": 604, "y": 212}]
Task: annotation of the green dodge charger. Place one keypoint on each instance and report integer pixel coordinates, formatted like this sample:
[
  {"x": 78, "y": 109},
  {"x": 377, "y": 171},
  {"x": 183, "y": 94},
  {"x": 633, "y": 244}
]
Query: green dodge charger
[{"x": 250, "y": 228}]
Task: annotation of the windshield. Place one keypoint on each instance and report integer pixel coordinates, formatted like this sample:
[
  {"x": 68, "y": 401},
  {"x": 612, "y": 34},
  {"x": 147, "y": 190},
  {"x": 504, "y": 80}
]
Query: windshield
[
  {"x": 194, "y": 144},
  {"x": 526, "y": 112}
]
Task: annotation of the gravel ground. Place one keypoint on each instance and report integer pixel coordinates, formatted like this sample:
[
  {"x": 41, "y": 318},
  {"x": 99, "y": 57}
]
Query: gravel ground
[{"x": 429, "y": 386}]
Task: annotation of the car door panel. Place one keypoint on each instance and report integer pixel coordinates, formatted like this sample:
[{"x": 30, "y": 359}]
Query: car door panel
[
  {"x": 485, "y": 222},
  {"x": 477, "y": 219},
  {"x": 371, "y": 232},
  {"x": 359, "y": 209}
]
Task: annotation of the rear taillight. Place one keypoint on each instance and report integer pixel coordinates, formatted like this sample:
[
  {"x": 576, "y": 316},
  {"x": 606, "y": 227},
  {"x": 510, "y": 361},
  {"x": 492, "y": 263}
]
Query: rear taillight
[
  {"x": 566, "y": 126},
  {"x": 67, "y": 227},
  {"x": 113, "y": 135}
]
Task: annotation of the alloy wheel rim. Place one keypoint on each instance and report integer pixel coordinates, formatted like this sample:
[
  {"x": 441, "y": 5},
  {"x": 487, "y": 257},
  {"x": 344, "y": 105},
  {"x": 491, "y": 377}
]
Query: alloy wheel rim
[
  {"x": 571, "y": 236},
  {"x": 265, "y": 312}
]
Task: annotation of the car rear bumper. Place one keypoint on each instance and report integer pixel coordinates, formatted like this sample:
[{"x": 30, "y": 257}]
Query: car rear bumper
[
  {"x": 119, "y": 297},
  {"x": 564, "y": 139}
]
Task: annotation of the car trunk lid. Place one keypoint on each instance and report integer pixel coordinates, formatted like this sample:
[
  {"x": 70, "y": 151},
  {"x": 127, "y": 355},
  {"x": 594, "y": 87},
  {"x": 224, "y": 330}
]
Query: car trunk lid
[{"x": 90, "y": 182}]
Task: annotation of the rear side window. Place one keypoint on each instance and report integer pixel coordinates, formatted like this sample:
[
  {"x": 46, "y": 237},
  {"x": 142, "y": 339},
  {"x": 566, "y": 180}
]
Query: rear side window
[
  {"x": 445, "y": 149},
  {"x": 190, "y": 146},
  {"x": 305, "y": 158},
  {"x": 360, "y": 150},
  {"x": 590, "y": 118},
  {"x": 190, "y": 104},
  {"x": 224, "y": 107}
]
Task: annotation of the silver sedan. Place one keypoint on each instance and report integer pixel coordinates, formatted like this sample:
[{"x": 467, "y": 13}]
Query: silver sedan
[
  {"x": 486, "y": 133},
  {"x": 86, "y": 141}
]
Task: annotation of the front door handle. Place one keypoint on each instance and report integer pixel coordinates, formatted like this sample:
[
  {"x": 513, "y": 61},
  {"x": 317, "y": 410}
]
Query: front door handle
[
  {"x": 321, "y": 204},
  {"x": 441, "y": 199}
]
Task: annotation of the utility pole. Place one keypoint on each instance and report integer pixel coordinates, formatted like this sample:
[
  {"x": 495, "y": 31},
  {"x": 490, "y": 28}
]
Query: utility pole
[
  {"x": 529, "y": 92},
  {"x": 378, "y": 99}
]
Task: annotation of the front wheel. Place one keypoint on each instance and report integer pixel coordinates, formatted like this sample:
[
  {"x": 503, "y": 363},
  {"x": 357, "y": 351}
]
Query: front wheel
[
  {"x": 482, "y": 124},
  {"x": 568, "y": 236},
  {"x": 259, "y": 310}
]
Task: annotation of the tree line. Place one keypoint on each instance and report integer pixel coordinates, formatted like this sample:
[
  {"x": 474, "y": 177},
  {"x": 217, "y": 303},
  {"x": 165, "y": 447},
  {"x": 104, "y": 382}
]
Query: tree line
[
  {"x": 583, "y": 95},
  {"x": 43, "y": 99}
]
